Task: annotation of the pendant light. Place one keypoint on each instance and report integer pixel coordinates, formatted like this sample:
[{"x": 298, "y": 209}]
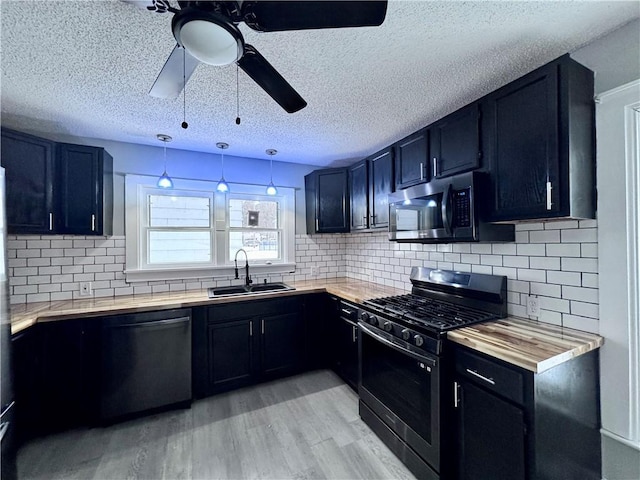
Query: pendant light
[
  {"x": 165, "y": 180},
  {"x": 222, "y": 186},
  {"x": 271, "y": 188}
]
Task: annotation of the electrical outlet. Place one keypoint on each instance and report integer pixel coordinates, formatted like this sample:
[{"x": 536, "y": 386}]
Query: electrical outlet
[
  {"x": 85, "y": 289},
  {"x": 313, "y": 271},
  {"x": 533, "y": 306}
]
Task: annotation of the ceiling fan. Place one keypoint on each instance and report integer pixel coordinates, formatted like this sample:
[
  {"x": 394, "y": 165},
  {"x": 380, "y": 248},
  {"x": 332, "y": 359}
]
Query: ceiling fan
[{"x": 207, "y": 32}]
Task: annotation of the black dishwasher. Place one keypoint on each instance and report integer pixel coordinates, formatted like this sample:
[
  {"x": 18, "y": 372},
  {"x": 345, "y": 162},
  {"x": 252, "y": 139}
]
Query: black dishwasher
[{"x": 146, "y": 362}]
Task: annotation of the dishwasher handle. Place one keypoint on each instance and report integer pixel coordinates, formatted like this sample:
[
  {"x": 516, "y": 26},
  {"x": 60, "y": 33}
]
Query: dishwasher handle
[{"x": 154, "y": 323}]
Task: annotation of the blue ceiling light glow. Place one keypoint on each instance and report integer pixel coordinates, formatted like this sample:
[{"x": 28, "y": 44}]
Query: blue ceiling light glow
[
  {"x": 165, "y": 180},
  {"x": 271, "y": 188},
  {"x": 222, "y": 186}
]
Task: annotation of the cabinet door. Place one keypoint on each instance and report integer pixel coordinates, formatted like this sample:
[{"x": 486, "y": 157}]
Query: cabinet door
[
  {"x": 231, "y": 354},
  {"x": 346, "y": 363},
  {"x": 80, "y": 189},
  {"x": 521, "y": 145},
  {"x": 29, "y": 163},
  {"x": 27, "y": 365},
  {"x": 359, "y": 194},
  {"x": 332, "y": 212},
  {"x": 412, "y": 160},
  {"x": 381, "y": 182},
  {"x": 491, "y": 436},
  {"x": 455, "y": 142},
  {"x": 282, "y": 342}
]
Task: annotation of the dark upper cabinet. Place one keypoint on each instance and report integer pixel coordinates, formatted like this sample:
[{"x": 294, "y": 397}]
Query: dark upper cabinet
[
  {"x": 29, "y": 170},
  {"x": 85, "y": 186},
  {"x": 380, "y": 186},
  {"x": 56, "y": 188},
  {"x": 327, "y": 200},
  {"x": 538, "y": 141},
  {"x": 412, "y": 160},
  {"x": 455, "y": 142},
  {"x": 359, "y": 195},
  {"x": 370, "y": 182}
]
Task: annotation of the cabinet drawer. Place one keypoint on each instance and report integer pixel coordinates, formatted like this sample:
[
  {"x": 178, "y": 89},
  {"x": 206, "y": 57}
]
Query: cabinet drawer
[{"x": 498, "y": 378}]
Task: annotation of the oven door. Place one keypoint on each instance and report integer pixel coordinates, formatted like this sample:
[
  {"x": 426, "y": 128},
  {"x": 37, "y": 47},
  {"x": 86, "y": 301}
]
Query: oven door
[{"x": 401, "y": 384}]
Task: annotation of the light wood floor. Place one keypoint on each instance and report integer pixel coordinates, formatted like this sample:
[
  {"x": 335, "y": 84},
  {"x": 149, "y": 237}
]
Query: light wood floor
[{"x": 302, "y": 427}]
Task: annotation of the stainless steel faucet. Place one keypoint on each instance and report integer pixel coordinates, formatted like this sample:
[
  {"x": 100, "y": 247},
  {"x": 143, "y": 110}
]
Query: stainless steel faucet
[{"x": 247, "y": 279}]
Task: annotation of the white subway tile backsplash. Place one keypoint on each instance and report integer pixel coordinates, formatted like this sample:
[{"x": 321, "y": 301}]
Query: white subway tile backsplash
[{"x": 557, "y": 261}]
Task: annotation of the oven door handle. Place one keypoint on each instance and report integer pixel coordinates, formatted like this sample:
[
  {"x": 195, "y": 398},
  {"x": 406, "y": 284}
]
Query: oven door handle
[{"x": 399, "y": 348}]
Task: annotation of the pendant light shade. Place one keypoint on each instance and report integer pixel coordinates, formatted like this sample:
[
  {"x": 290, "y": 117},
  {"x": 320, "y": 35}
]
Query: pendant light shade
[
  {"x": 271, "y": 188},
  {"x": 165, "y": 180},
  {"x": 222, "y": 186}
]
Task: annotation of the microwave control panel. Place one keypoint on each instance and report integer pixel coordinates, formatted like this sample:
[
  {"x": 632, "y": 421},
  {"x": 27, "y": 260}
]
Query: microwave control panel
[{"x": 462, "y": 208}]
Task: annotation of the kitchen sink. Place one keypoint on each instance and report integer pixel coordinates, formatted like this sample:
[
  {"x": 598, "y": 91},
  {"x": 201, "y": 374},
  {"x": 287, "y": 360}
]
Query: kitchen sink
[{"x": 248, "y": 290}]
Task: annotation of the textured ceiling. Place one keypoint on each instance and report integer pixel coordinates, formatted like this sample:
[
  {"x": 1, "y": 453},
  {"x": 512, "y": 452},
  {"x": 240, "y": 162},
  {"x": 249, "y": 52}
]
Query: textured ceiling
[{"x": 84, "y": 68}]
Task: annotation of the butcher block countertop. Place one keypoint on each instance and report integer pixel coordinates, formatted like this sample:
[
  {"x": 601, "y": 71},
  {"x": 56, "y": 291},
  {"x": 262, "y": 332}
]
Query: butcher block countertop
[
  {"x": 26, "y": 315},
  {"x": 528, "y": 344},
  {"x": 531, "y": 345}
]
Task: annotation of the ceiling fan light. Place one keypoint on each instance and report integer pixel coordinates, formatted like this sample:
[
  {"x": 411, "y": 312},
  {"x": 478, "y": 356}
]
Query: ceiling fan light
[{"x": 207, "y": 36}]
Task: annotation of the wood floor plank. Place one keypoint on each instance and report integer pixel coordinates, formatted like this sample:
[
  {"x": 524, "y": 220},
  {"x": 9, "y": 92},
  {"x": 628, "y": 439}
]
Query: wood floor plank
[{"x": 301, "y": 427}]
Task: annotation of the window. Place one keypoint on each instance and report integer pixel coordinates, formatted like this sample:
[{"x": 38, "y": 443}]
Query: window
[{"x": 192, "y": 232}]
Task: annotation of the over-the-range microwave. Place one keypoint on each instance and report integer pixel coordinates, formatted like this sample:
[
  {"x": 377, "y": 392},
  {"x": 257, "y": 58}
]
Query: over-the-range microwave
[{"x": 445, "y": 210}]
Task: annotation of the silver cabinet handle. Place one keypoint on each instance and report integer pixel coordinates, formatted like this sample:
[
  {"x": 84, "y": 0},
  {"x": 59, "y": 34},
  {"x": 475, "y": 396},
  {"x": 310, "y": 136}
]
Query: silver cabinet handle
[
  {"x": 354, "y": 337},
  {"x": 251, "y": 328},
  {"x": 456, "y": 397},
  {"x": 549, "y": 188},
  {"x": 435, "y": 167},
  {"x": 346, "y": 311},
  {"x": 262, "y": 325},
  {"x": 93, "y": 222},
  {"x": 50, "y": 221},
  {"x": 481, "y": 377},
  {"x": 421, "y": 171},
  {"x": 317, "y": 225}
]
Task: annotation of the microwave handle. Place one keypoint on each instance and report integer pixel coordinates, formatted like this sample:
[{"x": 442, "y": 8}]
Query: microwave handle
[{"x": 446, "y": 210}]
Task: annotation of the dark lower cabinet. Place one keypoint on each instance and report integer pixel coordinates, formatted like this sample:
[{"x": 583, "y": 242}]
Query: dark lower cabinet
[
  {"x": 516, "y": 424},
  {"x": 491, "y": 433},
  {"x": 238, "y": 344},
  {"x": 345, "y": 344},
  {"x": 282, "y": 343},
  {"x": 231, "y": 348},
  {"x": 56, "y": 376}
]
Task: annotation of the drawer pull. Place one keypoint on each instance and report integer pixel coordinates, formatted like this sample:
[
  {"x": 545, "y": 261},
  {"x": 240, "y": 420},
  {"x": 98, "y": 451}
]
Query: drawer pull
[
  {"x": 346, "y": 311},
  {"x": 482, "y": 377}
]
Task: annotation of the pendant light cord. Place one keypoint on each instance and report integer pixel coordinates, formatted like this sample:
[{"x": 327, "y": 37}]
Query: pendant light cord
[
  {"x": 185, "y": 125},
  {"x": 237, "y": 95}
]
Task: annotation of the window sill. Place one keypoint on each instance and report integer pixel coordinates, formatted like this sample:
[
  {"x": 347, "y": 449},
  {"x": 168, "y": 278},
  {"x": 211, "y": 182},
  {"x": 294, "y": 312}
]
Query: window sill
[{"x": 132, "y": 276}]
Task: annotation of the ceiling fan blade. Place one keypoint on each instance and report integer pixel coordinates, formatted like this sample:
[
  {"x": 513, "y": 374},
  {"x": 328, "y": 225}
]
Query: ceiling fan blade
[
  {"x": 263, "y": 73},
  {"x": 174, "y": 75},
  {"x": 273, "y": 16}
]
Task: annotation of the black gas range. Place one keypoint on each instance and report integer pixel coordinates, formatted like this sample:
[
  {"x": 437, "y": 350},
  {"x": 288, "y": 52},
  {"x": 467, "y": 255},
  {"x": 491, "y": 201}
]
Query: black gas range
[{"x": 401, "y": 363}]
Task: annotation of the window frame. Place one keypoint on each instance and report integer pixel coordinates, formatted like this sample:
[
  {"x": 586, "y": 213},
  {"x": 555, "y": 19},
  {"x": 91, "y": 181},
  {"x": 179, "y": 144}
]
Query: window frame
[{"x": 137, "y": 271}]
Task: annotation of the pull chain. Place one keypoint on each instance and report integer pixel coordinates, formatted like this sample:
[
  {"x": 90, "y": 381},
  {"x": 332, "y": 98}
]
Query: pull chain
[
  {"x": 185, "y": 125},
  {"x": 237, "y": 97}
]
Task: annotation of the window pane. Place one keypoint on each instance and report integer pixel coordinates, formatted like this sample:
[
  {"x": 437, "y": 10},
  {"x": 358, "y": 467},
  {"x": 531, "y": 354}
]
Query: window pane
[
  {"x": 177, "y": 211},
  {"x": 253, "y": 213},
  {"x": 179, "y": 247},
  {"x": 258, "y": 245}
]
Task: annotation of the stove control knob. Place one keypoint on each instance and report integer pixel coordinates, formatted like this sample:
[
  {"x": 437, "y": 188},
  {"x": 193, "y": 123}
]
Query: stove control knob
[
  {"x": 406, "y": 334},
  {"x": 387, "y": 326},
  {"x": 364, "y": 316},
  {"x": 373, "y": 320},
  {"x": 419, "y": 340}
]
